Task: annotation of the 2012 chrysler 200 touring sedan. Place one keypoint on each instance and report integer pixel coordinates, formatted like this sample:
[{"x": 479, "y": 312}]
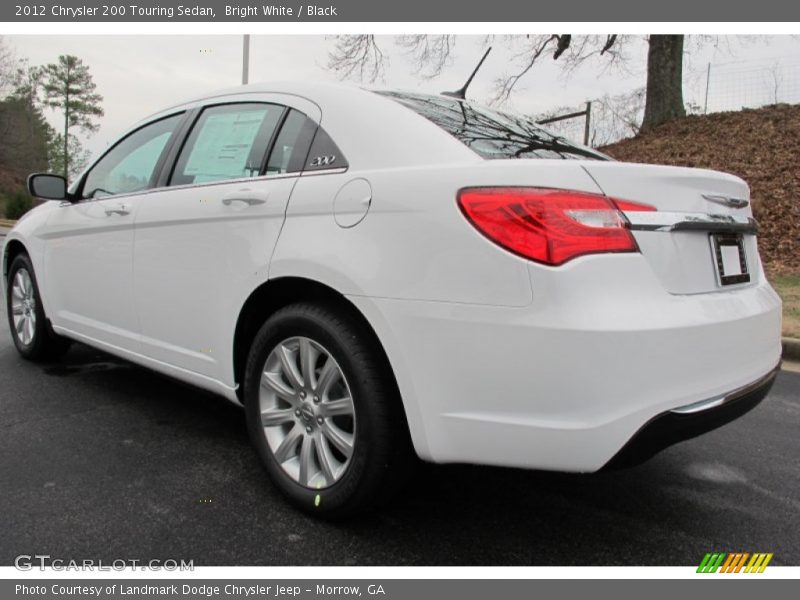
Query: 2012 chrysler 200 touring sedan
[{"x": 376, "y": 275}]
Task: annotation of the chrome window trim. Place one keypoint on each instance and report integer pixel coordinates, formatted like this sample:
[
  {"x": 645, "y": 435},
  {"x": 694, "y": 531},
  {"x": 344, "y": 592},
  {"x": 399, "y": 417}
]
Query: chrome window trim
[
  {"x": 184, "y": 186},
  {"x": 324, "y": 172},
  {"x": 206, "y": 184}
]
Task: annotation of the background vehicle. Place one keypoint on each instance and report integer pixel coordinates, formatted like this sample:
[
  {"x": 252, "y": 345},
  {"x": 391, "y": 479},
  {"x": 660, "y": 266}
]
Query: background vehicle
[{"x": 371, "y": 273}]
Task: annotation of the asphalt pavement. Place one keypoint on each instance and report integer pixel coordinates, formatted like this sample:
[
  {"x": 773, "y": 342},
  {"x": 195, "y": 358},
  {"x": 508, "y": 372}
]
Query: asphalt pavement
[{"x": 105, "y": 460}]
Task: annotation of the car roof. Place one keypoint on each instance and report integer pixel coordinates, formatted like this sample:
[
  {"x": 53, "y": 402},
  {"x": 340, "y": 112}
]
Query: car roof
[{"x": 371, "y": 130}]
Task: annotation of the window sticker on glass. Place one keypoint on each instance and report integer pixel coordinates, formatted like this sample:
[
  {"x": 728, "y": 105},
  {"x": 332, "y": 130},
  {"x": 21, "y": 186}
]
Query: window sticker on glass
[
  {"x": 227, "y": 142},
  {"x": 222, "y": 148}
]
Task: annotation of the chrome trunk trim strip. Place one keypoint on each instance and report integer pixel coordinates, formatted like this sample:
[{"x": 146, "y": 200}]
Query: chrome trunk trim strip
[{"x": 689, "y": 221}]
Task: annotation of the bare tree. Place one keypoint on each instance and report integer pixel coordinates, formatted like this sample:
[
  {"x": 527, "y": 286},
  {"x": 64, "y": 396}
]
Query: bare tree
[
  {"x": 8, "y": 68},
  {"x": 535, "y": 46},
  {"x": 573, "y": 51},
  {"x": 360, "y": 55},
  {"x": 664, "y": 80},
  {"x": 430, "y": 53},
  {"x": 357, "y": 56},
  {"x": 613, "y": 117}
]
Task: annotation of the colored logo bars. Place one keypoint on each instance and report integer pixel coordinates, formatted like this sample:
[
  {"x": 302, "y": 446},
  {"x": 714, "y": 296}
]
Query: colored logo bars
[{"x": 734, "y": 562}]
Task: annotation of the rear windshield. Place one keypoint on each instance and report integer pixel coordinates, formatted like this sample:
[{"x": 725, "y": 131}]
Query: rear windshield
[{"x": 492, "y": 134}]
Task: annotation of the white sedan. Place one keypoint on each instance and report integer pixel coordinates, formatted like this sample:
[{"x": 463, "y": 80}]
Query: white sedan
[{"x": 379, "y": 275}]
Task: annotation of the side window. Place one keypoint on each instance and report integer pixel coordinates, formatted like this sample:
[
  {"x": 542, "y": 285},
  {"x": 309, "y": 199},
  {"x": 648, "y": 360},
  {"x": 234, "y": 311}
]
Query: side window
[
  {"x": 291, "y": 146},
  {"x": 131, "y": 164},
  {"x": 227, "y": 142},
  {"x": 302, "y": 145}
]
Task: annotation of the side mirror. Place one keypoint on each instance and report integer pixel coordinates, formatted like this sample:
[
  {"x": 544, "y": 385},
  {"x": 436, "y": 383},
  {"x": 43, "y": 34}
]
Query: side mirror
[{"x": 47, "y": 186}]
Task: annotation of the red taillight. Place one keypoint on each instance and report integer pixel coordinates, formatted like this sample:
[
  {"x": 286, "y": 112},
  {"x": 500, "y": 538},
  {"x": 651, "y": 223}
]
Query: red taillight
[
  {"x": 546, "y": 225},
  {"x": 628, "y": 206}
]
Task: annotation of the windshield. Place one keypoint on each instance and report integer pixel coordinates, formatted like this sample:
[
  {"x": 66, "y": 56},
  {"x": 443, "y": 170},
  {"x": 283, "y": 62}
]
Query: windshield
[{"x": 492, "y": 134}]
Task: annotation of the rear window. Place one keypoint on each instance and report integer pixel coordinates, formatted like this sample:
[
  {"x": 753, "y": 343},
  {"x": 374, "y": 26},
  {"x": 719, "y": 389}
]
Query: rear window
[{"x": 492, "y": 134}]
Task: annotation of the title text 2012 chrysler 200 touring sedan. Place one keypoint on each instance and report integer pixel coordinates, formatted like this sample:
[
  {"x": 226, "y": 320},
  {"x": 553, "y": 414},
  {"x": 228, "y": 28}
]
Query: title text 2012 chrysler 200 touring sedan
[{"x": 379, "y": 274}]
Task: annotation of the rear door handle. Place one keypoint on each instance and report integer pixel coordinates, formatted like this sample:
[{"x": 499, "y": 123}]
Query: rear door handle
[
  {"x": 121, "y": 210},
  {"x": 246, "y": 196}
]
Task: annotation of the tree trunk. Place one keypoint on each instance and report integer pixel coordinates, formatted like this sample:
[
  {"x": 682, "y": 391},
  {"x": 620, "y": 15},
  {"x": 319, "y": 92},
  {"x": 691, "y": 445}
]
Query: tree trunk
[
  {"x": 66, "y": 142},
  {"x": 66, "y": 124},
  {"x": 664, "y": 100}
]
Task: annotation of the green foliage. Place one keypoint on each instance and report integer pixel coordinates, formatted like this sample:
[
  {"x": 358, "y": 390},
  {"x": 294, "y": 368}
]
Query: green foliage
[
  {"x": 788, "y": 287},
  {"x": 24, "y": 130},
  {"x": 25, "y": 137},
  {"x": 17, "y": 204},
  {"x": 68, "y": 87},
  {"x": 77, "y": 154}
]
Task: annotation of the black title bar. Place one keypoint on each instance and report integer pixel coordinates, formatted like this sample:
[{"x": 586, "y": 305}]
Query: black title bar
[{"x": 440, "y": 11}]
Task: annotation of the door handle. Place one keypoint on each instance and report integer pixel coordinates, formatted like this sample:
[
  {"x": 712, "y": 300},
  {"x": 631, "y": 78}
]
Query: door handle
[
  {"x": 246, "y": 196},
  {"x": 120, "y": 209}
]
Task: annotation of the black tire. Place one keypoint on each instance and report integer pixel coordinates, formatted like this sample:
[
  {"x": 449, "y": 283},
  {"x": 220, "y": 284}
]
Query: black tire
[
  {"x": 44, "y": 345},
  {"x": 382, "y": 453}
]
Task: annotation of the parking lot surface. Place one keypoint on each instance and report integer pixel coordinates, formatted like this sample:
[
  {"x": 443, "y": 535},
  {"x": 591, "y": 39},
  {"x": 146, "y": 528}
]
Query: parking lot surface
[{"x": 105, "y": 460}]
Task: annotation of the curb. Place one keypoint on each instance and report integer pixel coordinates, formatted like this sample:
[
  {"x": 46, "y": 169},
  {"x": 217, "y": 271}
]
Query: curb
[
  {"x": 791, "y": 348},
  {"x": 7, "y": 223}
]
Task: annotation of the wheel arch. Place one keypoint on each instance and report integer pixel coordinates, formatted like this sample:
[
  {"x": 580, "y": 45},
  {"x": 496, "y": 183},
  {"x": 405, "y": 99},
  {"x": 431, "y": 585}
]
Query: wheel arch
[
  {"x": 276, "y": 293},
  {"x": 13, "y": 248}
]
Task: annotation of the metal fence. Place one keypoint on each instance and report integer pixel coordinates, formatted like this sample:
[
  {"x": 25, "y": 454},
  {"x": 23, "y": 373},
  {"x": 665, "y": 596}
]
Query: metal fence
[
  {"x": 744, "y": 84},
  {"x": 721, "y": 86},
  {"x": 587, "y": 119}
]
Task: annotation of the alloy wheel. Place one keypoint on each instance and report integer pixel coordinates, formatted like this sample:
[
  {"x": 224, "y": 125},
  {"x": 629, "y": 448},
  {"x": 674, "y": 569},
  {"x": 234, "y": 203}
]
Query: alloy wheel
[
  {"x": 23, "y": 307},
  {"x": 307, "y": 412}
]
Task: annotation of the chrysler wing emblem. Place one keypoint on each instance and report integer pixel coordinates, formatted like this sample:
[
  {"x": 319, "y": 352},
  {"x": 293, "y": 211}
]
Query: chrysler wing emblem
[{"x": 726, "y": 200}]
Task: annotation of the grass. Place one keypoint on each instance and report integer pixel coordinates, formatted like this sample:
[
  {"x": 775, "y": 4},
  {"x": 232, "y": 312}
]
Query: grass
[{"x": 788, "y": 287}]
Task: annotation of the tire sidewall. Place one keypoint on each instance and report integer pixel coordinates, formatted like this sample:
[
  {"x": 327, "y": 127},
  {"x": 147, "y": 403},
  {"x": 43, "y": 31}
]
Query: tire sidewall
[
  {"x": 338, "y": 498},
  {"x": 22, "y": 261}
]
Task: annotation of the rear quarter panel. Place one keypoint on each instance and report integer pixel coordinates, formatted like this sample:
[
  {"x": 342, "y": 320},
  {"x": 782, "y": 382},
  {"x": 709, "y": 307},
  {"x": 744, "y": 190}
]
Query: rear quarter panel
[{"x": 414, "y": 243}]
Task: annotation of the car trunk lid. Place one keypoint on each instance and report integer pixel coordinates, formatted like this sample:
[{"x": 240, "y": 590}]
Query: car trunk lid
[{"x": 701, "y": 238}]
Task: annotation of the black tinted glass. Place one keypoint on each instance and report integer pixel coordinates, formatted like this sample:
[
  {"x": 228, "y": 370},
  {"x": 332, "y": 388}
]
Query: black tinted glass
[
  {"x": 291, "y": 145},
  {"x": 492, "y": 134}
]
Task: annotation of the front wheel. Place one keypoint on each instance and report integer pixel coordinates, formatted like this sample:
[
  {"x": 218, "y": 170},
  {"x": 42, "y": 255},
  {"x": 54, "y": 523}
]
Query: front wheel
[
  {"x": 324, "y": 412},
  {"x": 32, "y": 335}
]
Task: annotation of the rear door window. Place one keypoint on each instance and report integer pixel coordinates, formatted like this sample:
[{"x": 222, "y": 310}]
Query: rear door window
[
  {"x": 292, "y": 144},
  {"x": 227, "y": 142},
  {"x": 492, "y": 134}
]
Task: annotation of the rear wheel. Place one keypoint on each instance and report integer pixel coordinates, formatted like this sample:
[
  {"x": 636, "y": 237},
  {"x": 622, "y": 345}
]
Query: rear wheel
[
  {"x": 30, "y": 330},
  {"x": 324, "y": 412}
]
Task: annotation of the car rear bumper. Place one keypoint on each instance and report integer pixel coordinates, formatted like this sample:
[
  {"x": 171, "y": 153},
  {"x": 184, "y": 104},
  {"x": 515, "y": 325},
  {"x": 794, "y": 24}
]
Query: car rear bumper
[
  {"x": 565, "y": 383},
  {"x": 686, "y": 422}
]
